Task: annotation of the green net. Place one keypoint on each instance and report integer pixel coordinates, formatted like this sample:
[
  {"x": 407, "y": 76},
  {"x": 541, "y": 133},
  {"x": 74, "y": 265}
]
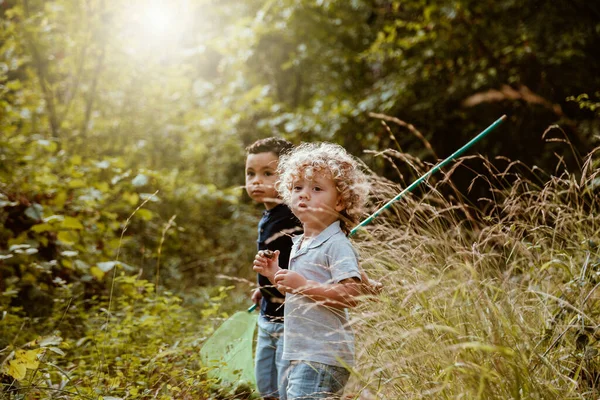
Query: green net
[{"x": 229, "y": 349}]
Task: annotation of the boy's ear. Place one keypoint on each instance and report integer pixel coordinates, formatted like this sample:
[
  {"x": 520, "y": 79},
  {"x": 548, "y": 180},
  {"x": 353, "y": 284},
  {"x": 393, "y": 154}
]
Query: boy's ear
[{"x": 339, "y": 205}]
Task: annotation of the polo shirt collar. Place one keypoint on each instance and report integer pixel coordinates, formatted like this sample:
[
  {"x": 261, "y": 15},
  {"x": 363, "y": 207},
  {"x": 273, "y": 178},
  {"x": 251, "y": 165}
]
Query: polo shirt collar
[{"x": 321, "y": 238}]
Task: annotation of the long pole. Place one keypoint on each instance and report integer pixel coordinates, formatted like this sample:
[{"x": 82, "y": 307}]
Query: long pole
[{"x": 426, "y": 175}]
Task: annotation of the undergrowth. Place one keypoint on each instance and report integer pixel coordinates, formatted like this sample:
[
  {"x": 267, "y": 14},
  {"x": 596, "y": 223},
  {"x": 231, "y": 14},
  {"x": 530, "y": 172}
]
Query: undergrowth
[
  {"x": 140, "y": 345},
  {"x": 495, "y": 302}
]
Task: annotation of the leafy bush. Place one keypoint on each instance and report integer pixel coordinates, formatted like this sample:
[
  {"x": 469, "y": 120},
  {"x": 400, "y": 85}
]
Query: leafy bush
[
  {"x": 137, "y": 345},
  {"x": 69, "y": 219}
]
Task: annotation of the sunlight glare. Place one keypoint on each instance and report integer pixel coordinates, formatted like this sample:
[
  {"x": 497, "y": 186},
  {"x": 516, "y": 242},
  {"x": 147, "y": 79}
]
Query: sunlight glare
[
  {"x": 158, "y": 19},
  {"x": 154, "y": 26}
]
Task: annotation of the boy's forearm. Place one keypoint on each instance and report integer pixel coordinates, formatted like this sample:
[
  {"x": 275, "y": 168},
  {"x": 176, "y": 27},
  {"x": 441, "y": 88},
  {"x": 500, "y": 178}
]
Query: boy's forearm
[{"x": 338, "y": 295}]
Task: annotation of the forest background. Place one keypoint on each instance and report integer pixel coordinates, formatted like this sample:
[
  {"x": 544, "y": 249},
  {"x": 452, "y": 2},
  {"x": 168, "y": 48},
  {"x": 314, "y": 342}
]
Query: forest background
[{"x": 125, "y": 232}]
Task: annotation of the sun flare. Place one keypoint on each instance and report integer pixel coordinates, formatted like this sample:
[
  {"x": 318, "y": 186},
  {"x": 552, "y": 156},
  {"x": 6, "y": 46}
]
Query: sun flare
[
  {"x": 159, "y": 20},
  {"x": 154, "y": 26}
]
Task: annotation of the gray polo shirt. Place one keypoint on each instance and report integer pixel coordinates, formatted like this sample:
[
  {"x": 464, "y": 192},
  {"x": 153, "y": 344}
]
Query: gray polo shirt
[{"x": 314, "y": 332}]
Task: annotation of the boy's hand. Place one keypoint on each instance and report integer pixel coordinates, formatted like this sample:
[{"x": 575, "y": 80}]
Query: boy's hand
[
  {"x": 266, "y": 263},
  {"x": 256, "y": 296},
  {"x": 289, "y": 281},
  {"x": 369, "y": 285},
  {"x": 374, "y": 287}
]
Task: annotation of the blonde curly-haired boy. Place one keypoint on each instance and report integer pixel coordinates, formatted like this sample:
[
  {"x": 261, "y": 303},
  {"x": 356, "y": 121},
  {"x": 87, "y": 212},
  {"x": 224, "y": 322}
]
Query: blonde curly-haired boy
[{"x": 326, "y": 190}]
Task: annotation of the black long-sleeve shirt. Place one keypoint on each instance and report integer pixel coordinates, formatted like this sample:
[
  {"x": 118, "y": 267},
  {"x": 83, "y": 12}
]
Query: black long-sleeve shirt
[{"x": 275, "y": 231}]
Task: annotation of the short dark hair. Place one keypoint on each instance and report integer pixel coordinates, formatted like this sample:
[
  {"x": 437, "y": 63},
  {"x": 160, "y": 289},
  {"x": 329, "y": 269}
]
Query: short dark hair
[{"x": 275, "y": 145}]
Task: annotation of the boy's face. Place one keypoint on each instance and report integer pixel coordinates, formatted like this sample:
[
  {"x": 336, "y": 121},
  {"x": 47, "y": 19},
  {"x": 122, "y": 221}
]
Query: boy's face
[
  {"x": 316, "y": 202},
  {"x": 261, "y": 175}
]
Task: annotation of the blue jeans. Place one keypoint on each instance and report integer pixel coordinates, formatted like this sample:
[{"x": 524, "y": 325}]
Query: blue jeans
[
  {"x": 270, "y": 368},
  {"x": 309, "y": 380}
]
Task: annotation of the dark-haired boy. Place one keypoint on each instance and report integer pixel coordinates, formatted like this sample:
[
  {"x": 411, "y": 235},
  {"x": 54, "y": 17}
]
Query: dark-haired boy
[{"x": 274, "y": 233}]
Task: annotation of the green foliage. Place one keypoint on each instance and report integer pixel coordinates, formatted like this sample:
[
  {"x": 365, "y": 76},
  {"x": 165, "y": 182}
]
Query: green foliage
[
  {"x": 584, "y": 102},
  {"x": 140, "y": 345},
  {"x": 315, "y": 70},
  {"x": 66, "y": 219},
  {"x": 95, "y": 119},
  {"x": 121, "y": 155}
]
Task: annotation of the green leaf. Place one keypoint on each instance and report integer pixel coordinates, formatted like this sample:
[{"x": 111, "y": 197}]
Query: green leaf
[
  {"x": 106, "y": 266},
  {"x": 5, "y": 203},
  {"x": 28, "y": 251},
  {"x": 77, "y": 183},
  {"x": 53, "y": 218},
  {"x": 35, "y": 211},
  {"x": 76, "y": 160},
  {"x": 71, "y": 223},
  {"x": 16, "y": 370},
  {"x": 81, "y": 265},
  {"x": 23, "y": 360},
  {"x": 18, "y": 247},
  {"x": 57, "y": 351},
  {"x": 144, "y": 214},
  {"x": 68, "y": 237},
  {"x": 131, "y": 198},
  {"x": 50, "y": 341},
  {"x": 48, "y": 145},
  {"x": 140, "y": 180},
  {"x": 42, "y": 228},
  {"x": 97, "y": 273}
]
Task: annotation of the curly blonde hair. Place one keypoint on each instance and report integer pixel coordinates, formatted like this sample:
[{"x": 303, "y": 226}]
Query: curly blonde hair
[{"x": 309, "y": 159}]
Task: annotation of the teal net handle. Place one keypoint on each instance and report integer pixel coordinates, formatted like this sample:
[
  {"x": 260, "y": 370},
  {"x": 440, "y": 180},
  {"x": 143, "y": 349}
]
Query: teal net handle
[
  {"x": 252, "y": 308},
  {"x": 432, "y": 171}
]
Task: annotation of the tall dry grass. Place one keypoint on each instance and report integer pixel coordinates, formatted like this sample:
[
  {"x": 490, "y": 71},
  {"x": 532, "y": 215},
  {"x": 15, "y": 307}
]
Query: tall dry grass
[{"x": 493, "y": 303}]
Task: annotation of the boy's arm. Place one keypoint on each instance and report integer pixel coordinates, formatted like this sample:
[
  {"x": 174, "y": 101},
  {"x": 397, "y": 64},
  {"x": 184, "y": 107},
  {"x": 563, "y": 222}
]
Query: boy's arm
[
  {"x": 370, "y": 286},
  {"x": 256, "y": 296},
  {"x": 338, "y": 295},
  {"x": 266, "y": 263},
  {"x": 344, "y": 294}
]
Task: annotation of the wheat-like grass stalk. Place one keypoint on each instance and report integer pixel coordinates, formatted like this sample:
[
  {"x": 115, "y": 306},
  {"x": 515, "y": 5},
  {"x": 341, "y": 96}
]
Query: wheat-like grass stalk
[{"x": 502, "y": 305}]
